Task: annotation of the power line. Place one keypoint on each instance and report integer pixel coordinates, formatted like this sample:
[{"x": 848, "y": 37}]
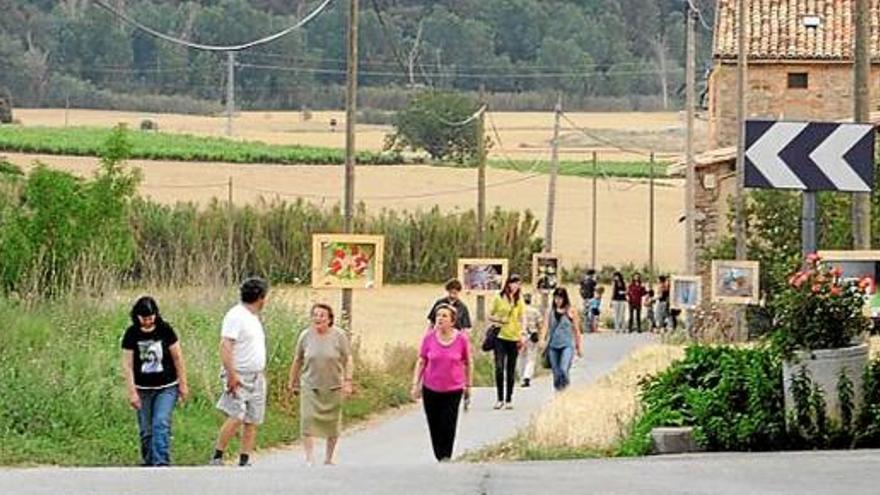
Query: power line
[
  {"x": 603, "y": 140},
  {"x": 699, "y": 13},
  {"x": 213, "y": 48}
]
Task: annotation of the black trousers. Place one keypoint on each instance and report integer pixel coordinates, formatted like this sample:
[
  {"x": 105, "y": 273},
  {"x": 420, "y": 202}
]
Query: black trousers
[
  {"x": 635, "y": 318},
  {"x": 506, "y": 352},
  {"x": 441, "y": 409}
]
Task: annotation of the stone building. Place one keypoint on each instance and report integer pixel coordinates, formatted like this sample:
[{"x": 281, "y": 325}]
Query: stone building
[{"x": 800, "y": 56}]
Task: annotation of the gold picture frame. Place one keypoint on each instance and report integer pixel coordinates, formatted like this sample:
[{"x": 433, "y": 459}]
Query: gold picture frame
[
  {"x": 347, "y": 261},
  {"x": 482, "y": 276},
  {"x": 736, "y": 282},
  {"x": 545, "y": 272},
  {"x": 686, "y": 292}
]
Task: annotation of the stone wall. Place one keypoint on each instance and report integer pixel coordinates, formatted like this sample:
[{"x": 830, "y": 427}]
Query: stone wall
[{"x": 827, "y": 97}]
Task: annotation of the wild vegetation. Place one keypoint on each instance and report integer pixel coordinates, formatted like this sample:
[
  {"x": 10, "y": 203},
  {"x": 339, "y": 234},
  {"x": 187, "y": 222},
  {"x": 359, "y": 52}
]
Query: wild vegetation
[{"x": 603, "y": 54}]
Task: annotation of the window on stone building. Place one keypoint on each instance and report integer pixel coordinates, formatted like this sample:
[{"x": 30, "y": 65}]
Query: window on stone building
[{"x": 798, "y": 80}]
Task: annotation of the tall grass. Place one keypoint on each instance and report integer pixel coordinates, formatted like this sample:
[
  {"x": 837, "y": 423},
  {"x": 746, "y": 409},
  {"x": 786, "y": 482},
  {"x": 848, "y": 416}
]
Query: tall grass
[
  {"x": 186, "y": 244},
  {"x": 63, "y": 400}
]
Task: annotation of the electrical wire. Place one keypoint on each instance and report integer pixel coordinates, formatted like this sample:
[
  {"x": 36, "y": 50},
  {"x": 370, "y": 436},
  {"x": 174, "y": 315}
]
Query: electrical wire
[
  {"x": 213, "y": 48},
  {"x": 699, "y": 15}
]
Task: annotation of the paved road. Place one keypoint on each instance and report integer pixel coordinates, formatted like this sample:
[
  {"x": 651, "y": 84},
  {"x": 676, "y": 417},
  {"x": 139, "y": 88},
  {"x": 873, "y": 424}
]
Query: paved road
[
  {"x": 850, "y": 473},
  {"x": 403, "y": 440}
]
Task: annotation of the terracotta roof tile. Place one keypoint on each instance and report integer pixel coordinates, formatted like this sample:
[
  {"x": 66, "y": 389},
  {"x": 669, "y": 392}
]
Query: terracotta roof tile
[{"x": 776, "y": 30}]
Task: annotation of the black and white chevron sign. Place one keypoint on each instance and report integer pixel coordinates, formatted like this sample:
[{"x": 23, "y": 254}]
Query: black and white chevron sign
[{"x": 809, "y": 156}]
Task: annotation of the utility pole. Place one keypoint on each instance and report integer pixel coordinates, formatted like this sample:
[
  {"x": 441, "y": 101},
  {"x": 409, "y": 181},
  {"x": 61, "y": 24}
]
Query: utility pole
[
  {"x": 595, "y": 210},
  {"x": 230, "y": 90},
  {"x": 554, "y": 172},
  {"x": 691, "y": 167},
  {"x": 651, "y": 226},
  {"x": 481, "y": 195},
  {"x": 861, "y": 208},
  {"x": 350, "y": 117},
  {"x": 230, "y": 263},
  {"x": 739, "y": 198}
]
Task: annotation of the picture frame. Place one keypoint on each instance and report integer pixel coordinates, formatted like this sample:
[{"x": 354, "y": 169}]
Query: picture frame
[
  {"x": 736, "y": 282},
  {"x": 482, "y": 276},
  {"x": 347, "y": 261},
  {"x": 545, "y": 272},
  {"x": 686, "y": 292},
  {"x": 857, "y": 265}
]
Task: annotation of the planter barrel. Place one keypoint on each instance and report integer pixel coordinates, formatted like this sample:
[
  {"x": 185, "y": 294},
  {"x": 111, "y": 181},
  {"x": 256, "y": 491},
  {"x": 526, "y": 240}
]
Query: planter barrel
[{"x": 824, "y": 367}]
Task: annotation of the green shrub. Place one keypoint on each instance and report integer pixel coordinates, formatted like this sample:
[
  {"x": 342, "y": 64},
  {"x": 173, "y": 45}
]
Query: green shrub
[{"x": 425, "y": 124}]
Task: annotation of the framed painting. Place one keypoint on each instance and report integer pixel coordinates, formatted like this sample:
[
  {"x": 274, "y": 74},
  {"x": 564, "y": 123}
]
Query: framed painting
[
  {"x": 347, "y": 261},
  {"x": 856, "y": 266},
  {"x": 482, "y": 275},
  {"x": 736, "y": 282},
  {"x": 685, "y": 292},
  {"x": 545, "y": 271}
]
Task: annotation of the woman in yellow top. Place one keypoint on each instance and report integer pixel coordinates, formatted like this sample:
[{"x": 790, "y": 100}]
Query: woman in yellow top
[{"x": 509, "y": 311}]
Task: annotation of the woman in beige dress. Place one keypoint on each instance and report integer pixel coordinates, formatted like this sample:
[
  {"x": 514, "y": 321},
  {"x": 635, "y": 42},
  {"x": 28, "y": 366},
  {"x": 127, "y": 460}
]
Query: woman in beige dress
[{"x": 321, "y": 374}]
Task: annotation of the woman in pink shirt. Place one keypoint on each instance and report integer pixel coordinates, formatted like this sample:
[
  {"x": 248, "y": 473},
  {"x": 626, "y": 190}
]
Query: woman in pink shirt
[{"x": 442, "y": 376}]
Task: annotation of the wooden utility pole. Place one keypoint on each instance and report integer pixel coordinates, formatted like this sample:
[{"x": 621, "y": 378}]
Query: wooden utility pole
[
  {"x": 481, "y": 195},
  {"x": 230, "y": 90},
  {"x": 595, "y": 210},
  {"x": 691, "y": 170},
  {"x": 651, "y": 226},
  {"x": 350, "y": 121},
  {"x": 861, "y": 208},
  {"x": 554, "y": 172},
  {"x": 742, "y": 70},
  {"x": 230, "y": 239},
  {"x": 739, "y": 198}
]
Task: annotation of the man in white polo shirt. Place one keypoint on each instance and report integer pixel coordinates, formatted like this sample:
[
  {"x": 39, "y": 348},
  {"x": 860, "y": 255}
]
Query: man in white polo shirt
[{"x": 243, "y": 355}]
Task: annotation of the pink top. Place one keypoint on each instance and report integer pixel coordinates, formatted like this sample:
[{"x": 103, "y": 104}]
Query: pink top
[{"x": 445, "y": 367}]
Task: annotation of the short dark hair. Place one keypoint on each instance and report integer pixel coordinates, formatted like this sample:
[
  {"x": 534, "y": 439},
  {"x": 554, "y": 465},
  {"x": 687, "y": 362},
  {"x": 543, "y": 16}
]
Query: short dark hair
[
  {"x": 591, "y": 272},
  {"x": 663, "y": 278},
  {"x": 453, "y": 284},
  {"x": 527, "y": 298},
  {"x": 325, "y": 307},
  {"x": 253, "y": 289}
]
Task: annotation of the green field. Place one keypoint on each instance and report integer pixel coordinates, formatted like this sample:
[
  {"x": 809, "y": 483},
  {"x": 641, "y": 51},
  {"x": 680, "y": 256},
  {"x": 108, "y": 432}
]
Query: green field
[
  {"x": 88, "y": 141},
  {"x": 585, "y": 169},
  {"x": 63, "y": 400}
]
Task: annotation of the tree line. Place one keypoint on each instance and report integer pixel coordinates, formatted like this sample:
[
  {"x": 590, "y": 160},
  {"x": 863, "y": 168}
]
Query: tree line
[{"x": 621, "y": 52}]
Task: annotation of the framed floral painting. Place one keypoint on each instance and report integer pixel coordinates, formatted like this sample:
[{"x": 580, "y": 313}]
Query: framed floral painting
[{"x": 347, "y": 261}]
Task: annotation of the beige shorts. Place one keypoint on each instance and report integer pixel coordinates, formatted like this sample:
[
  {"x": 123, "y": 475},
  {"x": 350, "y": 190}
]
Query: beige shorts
[{"x": 248, "y": 402}]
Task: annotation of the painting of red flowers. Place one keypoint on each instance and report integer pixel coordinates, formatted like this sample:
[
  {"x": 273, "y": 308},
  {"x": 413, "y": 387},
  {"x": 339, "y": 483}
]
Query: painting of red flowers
[{"x": 347, "y": 261}]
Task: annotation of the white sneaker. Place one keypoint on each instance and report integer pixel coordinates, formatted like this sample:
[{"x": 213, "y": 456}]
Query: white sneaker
[
  {"x": 498, "y": 405},
  {"x": 508, "y": 405}
]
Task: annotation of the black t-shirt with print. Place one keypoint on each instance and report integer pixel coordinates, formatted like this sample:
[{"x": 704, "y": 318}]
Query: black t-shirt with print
[
  {"x": 153, "y": 364},
  {"x": 463, "y": 316}
]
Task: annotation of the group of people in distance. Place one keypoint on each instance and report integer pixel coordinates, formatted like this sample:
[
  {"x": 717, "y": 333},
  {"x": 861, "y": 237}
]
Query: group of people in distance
[
  {"x": 635, "y": 297},
  {"x": 321, "y": 373}
]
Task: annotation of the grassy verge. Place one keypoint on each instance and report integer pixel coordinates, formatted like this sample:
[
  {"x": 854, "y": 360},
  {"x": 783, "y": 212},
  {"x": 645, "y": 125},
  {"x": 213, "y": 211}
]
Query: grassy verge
[
  {"x": 63, "y": 401},
  {"x": 586, "y": 421},
  {"x": 89, "y": 141}
]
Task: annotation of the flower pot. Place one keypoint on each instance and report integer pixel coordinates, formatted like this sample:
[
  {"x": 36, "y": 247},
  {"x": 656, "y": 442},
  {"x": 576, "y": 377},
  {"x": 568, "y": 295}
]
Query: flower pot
[{"x": 824, "y": 367}]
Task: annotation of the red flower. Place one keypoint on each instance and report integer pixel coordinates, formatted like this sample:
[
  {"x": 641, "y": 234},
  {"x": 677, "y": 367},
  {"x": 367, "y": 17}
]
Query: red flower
[
  {"x": 865, "y": 282},
  {"x": 813, "y": 258},
  {"x": 816, "y": 288},
  {"x": 837, "y": 271},
  {"x": 836, "y": 291},
  {"x": 339, "y": 253}
]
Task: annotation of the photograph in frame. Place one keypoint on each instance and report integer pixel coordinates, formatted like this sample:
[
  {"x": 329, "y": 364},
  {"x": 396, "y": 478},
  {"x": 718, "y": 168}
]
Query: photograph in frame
[
  {"x": 735, "y": 282},
  {"x": 856, "y": 266},
  {"x": 686, "y": 292},
  {"x": 545, "y": 272},
  {"x": 347, "y": 261},
  {"x": 482, "y": 275}
]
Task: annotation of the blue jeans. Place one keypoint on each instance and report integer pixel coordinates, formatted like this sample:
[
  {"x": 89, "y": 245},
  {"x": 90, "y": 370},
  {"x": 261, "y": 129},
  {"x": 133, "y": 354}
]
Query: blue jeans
[
  {"x": 560, "y": 363},
  {"x": 154, "y": 423}
]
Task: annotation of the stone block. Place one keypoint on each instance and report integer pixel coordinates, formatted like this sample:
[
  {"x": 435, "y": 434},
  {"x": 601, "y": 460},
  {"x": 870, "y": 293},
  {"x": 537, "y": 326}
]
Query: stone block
[{"x": 674, "y": 440}]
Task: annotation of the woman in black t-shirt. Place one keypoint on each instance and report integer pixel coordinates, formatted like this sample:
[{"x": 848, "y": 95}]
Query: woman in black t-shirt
[{"x": 155, "y": 376}]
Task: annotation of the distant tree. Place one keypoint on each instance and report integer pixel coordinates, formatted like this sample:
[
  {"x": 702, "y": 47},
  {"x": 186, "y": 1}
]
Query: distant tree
[{"x": 431, "y": 123}]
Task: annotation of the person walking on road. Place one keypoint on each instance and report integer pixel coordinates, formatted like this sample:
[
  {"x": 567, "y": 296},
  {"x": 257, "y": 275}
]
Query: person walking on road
[
  {"x": 595, "y": 310},
  {"x": 155, "y": 376},
  {"x": 563, "y": 338},
  {"x": 588, "y": 291},
  {"x": 441, "y": 378},
  {"x": 453, "y": 293},
  {"x": 509, "y": 311},
  {"x": 321, "y": 375},
  {"x": 531, "y": 336},
  {"x": 663, "y": 313},
  {"x": 243, "y": 356},
  {"x": 618, "y": 301},
  {"x": 635, "y": 293}
]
